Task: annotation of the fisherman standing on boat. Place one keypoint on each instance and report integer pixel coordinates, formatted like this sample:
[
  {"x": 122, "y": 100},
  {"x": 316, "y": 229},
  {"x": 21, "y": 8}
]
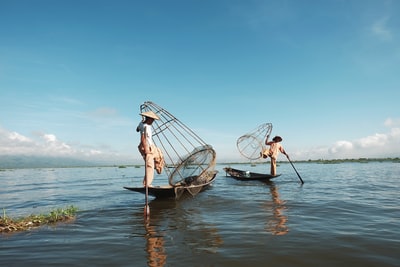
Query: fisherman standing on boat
[
  {"x": 272, "y": 152},
  {"x": 146, "y": 146}
]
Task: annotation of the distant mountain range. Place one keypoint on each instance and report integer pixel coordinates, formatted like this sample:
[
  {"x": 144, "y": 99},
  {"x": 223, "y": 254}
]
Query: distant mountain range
[{"x": 20, "y": 161}]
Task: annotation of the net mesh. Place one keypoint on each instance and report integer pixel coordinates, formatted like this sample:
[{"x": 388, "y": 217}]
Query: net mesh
[
  {"x": 188, "y": 159},
  {"x": 193, "y": 184},
  {"x": 251, "y": 144}
]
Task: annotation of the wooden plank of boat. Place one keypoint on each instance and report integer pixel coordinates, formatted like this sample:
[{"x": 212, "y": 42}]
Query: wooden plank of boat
[
  {"x": 168, "y": 191},
  {"x": 164, "y": 191},
  {"x": 247, "y": 175}
]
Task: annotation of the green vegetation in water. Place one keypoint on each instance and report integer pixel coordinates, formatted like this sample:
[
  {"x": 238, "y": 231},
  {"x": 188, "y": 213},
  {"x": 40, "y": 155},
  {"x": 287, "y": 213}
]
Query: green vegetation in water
[{"x": 8, "y": 224}]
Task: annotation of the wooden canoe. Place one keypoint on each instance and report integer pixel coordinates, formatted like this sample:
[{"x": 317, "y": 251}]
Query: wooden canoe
[
  {"x": 178, "y": 191},
  {"x": 247, "y": 175}
]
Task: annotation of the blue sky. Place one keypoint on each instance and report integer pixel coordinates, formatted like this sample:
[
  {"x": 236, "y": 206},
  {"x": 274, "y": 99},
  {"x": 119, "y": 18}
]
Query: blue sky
[{"x": 325, "y": 74}]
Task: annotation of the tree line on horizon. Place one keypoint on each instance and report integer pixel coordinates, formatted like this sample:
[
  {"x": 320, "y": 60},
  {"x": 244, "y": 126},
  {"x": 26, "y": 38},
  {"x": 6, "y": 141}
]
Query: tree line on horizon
[{"x": 19, "y": 162}]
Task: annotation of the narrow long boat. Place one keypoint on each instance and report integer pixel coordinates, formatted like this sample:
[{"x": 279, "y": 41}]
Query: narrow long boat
[
  {"x": 247, "y": 175},
  {"x": 184, "y": 189}
]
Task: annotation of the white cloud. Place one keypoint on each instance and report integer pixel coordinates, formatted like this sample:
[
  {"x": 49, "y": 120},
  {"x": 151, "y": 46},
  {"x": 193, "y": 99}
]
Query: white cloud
[
  {"x": 52, "y": 145},
  {"x": 378, "y": 145},
  {"x": 340, "y": 147},
  {"x": 41, "y": 144},
  {"x": 380, "y": 29},
  {"x": 49, "y": 138},
  {"x": 95, "y": 152},
  {"x": 44, "y": 144},
  {"x": 373, "y": 141},
  {"x": 389, "y": 122},
  {"x": 18, "y": 138},
  {"x": 104, "y": 112}
]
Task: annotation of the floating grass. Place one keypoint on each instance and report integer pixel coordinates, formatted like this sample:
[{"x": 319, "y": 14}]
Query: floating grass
[{"x": 8, "y": 224}]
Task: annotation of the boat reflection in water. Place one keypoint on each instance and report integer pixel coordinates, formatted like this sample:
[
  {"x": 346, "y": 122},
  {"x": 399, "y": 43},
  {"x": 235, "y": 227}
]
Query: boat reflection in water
[
  {"x": 276, "y": 224},
  {"x": 171, "y": 220}
]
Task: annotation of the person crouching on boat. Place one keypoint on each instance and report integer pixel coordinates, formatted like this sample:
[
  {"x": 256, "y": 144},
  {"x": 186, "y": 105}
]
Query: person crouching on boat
[
  {"x": 146, "y": 146},
  {"x": 274, "y": 148}
]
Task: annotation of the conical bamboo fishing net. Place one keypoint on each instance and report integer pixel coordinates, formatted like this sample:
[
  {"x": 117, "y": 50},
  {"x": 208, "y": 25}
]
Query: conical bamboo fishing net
[
  {"x": 189, "y": 161},
  {"x": 251, "y": 144}
]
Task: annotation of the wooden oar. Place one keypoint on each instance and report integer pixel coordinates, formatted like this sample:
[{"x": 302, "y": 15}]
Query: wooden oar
[
  {"x": 295, "y": 170},
  {"x": 146, "y": 207}
]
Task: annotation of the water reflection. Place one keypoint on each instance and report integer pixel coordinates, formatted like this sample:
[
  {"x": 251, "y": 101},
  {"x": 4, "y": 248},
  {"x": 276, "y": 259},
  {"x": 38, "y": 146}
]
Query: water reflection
[
  {"x": 276, "y": 224},
  {"x": 155, "y": 246},
  {"x": 178, "y": 220},
  {"x": 155, "y": 243}
]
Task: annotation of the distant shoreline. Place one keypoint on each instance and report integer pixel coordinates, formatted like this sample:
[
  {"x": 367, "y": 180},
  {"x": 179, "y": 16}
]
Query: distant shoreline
[
  {"x": 323, "y": 161},
  {"x": 94, "y": 165}
]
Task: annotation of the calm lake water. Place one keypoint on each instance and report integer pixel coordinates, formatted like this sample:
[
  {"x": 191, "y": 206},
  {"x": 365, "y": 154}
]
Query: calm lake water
[{"x": 344, "y": 214}]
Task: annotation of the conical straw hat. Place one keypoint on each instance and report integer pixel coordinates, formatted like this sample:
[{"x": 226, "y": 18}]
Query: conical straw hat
[{"x": 150, "y": 114}]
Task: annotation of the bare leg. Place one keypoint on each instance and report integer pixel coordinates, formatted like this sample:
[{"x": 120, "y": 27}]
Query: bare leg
[
  {"x": 149, "y": 170},
  {"x": 273, "y": 166}
]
